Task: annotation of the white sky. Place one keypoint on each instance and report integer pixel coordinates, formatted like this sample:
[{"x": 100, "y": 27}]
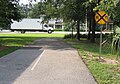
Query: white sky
[{"x": 25, "y": 1}]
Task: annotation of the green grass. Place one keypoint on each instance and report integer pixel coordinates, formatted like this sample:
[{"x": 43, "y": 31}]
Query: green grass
[
  {"x": 17, "y": 40},
  {"x": 7, "y": 50},
  {"x": 23, "y": 39},
  {"x": 103, "y": 73}
]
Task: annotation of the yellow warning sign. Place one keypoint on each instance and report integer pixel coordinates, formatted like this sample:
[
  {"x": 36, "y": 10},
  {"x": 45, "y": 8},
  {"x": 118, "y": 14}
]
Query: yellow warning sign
[{"x": 101, "y": 17}]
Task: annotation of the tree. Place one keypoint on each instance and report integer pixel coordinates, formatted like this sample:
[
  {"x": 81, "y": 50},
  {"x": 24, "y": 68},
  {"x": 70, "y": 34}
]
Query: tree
[
  {"x": 112, "y": 7},
  {"x": 73, "y": 10},
  {"x": 69, "y": 10},
  {"x": 37, "y": 10},
  {"x": 24, "y": 10},
  {"x": 8, "y": 12},
  {"x": 47, "y": 9},
  {"x": 115, "y": 13},
  {"x": 115, "y": 16},
  {"x": 90, "y": 5}
]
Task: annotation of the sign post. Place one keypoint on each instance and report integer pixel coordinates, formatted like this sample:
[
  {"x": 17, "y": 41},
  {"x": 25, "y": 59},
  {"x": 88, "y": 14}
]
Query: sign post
[
  {"x": 101, "y": 18},
  {"x": 100, "y": 50}
]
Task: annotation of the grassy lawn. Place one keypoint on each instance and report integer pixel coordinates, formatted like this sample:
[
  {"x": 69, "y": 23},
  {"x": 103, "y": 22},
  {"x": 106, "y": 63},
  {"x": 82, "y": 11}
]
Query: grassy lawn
[
  {"x": 14, "y": 41},
  {"x": 105, "y": 72}
]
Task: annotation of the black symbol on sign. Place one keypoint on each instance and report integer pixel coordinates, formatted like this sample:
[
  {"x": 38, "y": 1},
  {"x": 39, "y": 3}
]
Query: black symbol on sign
[
  {"x": 102, "y": 17},
  {"x": 97, "y": 17}
]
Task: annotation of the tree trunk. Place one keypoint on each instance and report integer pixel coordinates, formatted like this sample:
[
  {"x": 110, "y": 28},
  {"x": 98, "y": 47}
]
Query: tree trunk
[
  {"x": 93, "y": 28},
  {"x": 78, "y": 29},
  {"x": 72, "y": 33},
  {"x": 73, "y": 23},
  {"x": 89, "y": 34}
]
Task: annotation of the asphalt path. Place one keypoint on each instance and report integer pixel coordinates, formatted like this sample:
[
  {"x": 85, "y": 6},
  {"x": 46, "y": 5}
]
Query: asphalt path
[
  {"x": 14, "y": 64},
  {"x": 47, "y": 61}
]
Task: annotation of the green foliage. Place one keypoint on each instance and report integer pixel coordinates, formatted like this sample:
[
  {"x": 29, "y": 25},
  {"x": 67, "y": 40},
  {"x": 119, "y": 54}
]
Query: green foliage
[
  {"x": 116, "y": 40},
  {"x": 37, "y": 10},
  {"x": 69, "y": 25},
  {"x": 57, "y": 29},
  {"x": 69, "y": 36},
  {"x": 48, "y": 9},
  {"x": 68, "y": 10},
  {"x": 73, "y": 10},
  {"x": 7, "y": 51},
  {"x": 112, "y": 8},
  {"x": 85, "y": 36},
  {"x": 24, "y": 10},
  {"x": 116, "y": 44},
  {"x": 116, "y": 14},
  {"x": 74, "y": 36},
  {"x": 116, "y": 29},
  {"x": 8, "y": 11}
]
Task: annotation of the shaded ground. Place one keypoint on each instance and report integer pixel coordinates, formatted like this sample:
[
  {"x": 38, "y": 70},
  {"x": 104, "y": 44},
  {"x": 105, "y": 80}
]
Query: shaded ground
[{"x": 3, "y": 47}]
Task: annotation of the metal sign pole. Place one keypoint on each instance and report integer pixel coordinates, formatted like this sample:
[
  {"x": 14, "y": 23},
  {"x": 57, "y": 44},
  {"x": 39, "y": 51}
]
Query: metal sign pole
[
  {"x": 101, "y": 18},
  {"x": 100, "y": 50}
]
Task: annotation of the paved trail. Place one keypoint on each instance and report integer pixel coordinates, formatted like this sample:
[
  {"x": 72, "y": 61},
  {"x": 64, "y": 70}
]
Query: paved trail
[{"x": 49, "y": 61}]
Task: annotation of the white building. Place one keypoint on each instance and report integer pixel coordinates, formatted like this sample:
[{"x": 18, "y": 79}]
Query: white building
[{"x": 56, "y": 23}]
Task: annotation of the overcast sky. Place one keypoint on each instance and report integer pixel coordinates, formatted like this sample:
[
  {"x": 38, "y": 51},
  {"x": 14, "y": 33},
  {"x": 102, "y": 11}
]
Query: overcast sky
[{"x": 25, "y": 1}]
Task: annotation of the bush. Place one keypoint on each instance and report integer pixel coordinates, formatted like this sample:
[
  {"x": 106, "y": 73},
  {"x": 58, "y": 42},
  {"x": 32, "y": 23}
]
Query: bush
[
  {"x": 58, "y": 30},
  {"x": 116, "y": 44},
  {"x": 66, "y": 29},
  {"x": 85, "y": 35},
  {"x": 69, "y": 36},
  {"x": 74, "y": 36}
]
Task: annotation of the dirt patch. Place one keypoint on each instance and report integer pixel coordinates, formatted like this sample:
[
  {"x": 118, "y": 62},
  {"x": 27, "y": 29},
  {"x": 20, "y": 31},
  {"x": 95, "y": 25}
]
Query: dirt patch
[
  {"x": 102, "y": 60},
  {"x": 3, "y": 47},
  {"x": 107, "y": 61}
]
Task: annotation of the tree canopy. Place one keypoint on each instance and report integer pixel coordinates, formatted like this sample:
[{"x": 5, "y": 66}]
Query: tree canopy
[
  {"x": 68, "y": 10},
  {"x": 75, "y": 9},
  {"x": 8, "y": 12},
  {"x": 37, "y": 10}
]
